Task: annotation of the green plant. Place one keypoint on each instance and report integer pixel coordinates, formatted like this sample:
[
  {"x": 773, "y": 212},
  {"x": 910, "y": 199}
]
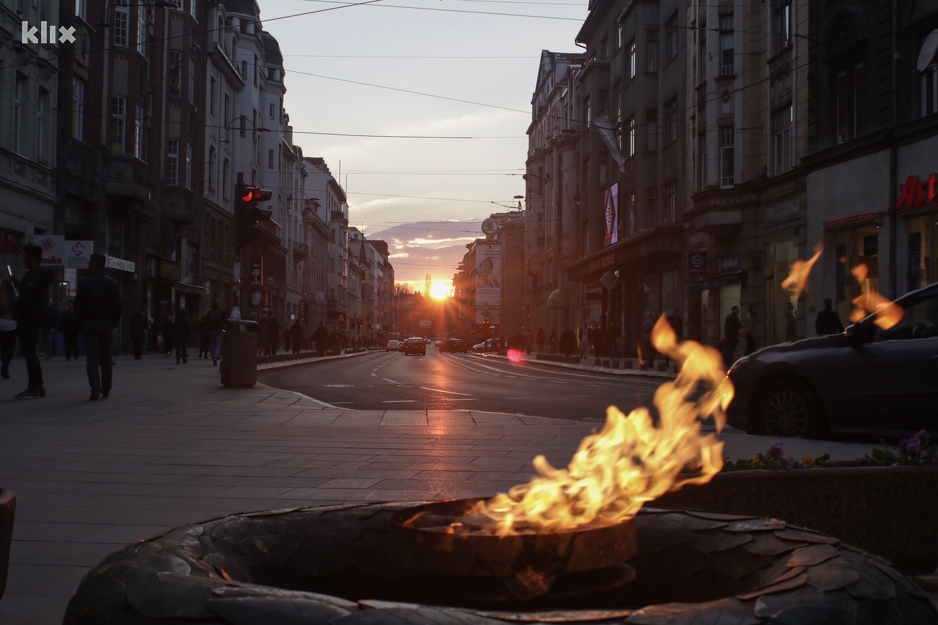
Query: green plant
[{"x": 774, "y": 458}]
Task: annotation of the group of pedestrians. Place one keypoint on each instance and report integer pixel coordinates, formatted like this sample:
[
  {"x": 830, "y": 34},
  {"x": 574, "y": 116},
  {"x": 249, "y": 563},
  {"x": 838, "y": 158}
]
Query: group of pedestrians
[{"x": 24, "y": 316}]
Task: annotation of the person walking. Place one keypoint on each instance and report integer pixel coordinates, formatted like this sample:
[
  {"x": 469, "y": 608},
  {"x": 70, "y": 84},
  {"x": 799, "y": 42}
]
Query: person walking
[
  {"x": 584, "y": 342},
  {"x": 731, "y": 327},
  {"x": 7, "y": 326},
  {"x": 204, "y": 337},
  {"x": 181, "y": 330},
  {"x": 70, "y": 326},
  {"x": 567, "y": 341},
  {"x": 748, "y": 330},
  {"x": 649, "y": 353},
  {"x": 828, "y": 321},
  {"x": 167, "y": 330},
  {"x": 99, "y": 308},
  {"x": 791, "y": 323},
  {"x": 50, "y": 326},
  {"x": 296, "y": 336},
  {"x": 541, "y": 337},
  {"x": 677, "y": 324},
  {"x": 138, "y": 333},
  {"x": 216, "y": 323},
  {"x": 30, "y": 310},
  {"x": 273, "y": 334},
  {"x": 263, "y": 337},
  {"x": 321, "y": 336}
]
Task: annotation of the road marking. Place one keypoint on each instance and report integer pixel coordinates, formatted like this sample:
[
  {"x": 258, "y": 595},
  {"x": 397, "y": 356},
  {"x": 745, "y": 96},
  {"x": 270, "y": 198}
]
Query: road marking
[
  {"x": 390, "y": 380},
  {"x": 438, "y": 390},
  {"x": 338, "y": 385},
  {"x": 399, "y": 401}
]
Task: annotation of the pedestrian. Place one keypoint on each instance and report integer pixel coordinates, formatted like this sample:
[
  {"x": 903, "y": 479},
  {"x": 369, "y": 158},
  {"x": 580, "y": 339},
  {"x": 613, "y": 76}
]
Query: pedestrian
[
  {"x": 731, "y": 327},
  {"x": 138, "y": 333},
  {"x": 791, "y": 323},
  {"x": 7, "y": 326},
  {"x": 321, "y": 337},
  {"x": 204, "y": 337},
  {"x": 649, "y": 353},
  {"x": 828, "y": 321},
  {"x": 677, "y": 324},
  {"x": 552, "y": 342},
  {"x": 748, "y": 330},
  {"x": 216, "y": 323},
  {"x": 50, "y": 325},
  {"x": 263, "y": 337},
  {"x": 31, "y": 306},
  {"x": 584, "y": 342},
  {"x": 99, "y": 308},
  {"x": 296, "y": 336},
  {"x": 541, "y": 337},
  {"x": 70, "y": 326},
  {"x": 182, "y": 327}
]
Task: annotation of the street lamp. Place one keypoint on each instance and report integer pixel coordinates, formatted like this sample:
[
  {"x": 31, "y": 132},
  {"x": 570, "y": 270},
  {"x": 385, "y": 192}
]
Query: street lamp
[
  {"x": 519, "y": 198},
  {"x": 244, "y": 120}
]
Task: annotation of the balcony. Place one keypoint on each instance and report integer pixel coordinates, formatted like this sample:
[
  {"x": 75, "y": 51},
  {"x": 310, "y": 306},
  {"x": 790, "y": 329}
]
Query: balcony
[{"x": 300, "y": 249}]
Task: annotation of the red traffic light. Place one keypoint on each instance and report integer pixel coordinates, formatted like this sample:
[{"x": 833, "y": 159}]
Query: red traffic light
[{"x": 250, "y": 194}]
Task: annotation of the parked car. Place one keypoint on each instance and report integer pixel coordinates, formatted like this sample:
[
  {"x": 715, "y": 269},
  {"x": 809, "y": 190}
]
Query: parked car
[
  {"x": 487, "y": 345},
  {"x": 414, "y": 345},
  {"x": 393, "y": 345},
  {"x": 867, "y": 378},
  {"x": 453, "y": 345}
]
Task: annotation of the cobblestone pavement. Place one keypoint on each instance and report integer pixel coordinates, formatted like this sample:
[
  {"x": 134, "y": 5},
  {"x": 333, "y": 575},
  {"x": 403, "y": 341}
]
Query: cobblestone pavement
[{"x": 172, "y": 446}]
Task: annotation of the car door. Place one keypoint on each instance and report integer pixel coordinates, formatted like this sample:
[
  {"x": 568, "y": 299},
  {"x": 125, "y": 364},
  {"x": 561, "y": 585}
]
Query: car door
[{"x": 890, "y": 378}]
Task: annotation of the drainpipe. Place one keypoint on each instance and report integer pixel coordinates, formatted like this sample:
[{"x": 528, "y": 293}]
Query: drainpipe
[{"x": 893, "y": 217}]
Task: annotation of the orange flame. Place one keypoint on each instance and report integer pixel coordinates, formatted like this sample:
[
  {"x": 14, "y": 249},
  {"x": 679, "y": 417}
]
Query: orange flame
[
  {"x": 869, "y": 301},
  {"x": 800, "y": 270},
  {"x": 631, "y": 460}
]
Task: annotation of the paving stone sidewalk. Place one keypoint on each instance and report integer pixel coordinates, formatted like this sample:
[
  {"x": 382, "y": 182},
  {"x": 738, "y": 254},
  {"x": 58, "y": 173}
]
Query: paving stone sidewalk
[{"x": 172, "y": 446}]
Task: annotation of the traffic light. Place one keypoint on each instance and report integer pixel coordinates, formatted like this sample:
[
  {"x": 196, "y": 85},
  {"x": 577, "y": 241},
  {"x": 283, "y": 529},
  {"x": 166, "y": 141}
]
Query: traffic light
[{"x": 247, "y": 211}]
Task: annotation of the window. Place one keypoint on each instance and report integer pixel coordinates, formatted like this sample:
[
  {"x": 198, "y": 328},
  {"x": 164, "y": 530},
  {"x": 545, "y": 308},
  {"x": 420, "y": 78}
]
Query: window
[
  {"x": 781, "y": 24},
  {"x": 172, "y": 163},
  {"x": 651, "y": 201},
  {"x": 727, "y": 156},
  {"x": 193, "y": 8},
  {"x": 138, "y": 134},
  {"x": 121, "y": 23},
  {"x": 242, "y": 126},
  {"x": 670, "y": 192},
  {"x": 782, "y": 138},
  {"x": 189, "y": 166},
  {"x": 191, "y": 80},
  {"x": 210, "y": 174},
  {"x": 270, "y": 159},
  {"x": 213, "y": 86},
  {"x": 930, "y": 90},
  {"x": 632, "y": 61},
  {"x": 651, "y": 51},
  {"x": 142, "y": 32},
  {"x": 849, "y": 94},
  {"x": 118, "y": 123},
  {"x": 727, "y": 45},
  {"x": 671, "y": 30},
  {"x": 620, "y": 36},
  {"x": 78, "y": 108},
  {"x": 702, "y": 54},
  {"x": 174, "y": 85},
  {"x": 41, "y": 124},
  {"x": 630, "y": 130},
  {"x": 701, "y": 160},
  {"x": 255, "y": 70},
  {"x": 225, "y": 178},
  {"x": 244, "y": 70},
  {"x": 271, "y": 110},
  {"x": 651, "y": 130},
  {"x": 81, "y": 9},
  {"x": 617, "y": 101},
  {"x": 589, "y": 113},
  {"x": 672, "y": 120}
]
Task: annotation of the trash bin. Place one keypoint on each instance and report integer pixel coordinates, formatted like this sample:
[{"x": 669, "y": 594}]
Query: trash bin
[{"x": 239, "y": 354}]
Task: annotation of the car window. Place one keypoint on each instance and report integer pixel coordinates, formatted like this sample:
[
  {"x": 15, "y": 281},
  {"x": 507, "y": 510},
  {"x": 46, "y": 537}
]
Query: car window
[{"x": 919, "y": 321}]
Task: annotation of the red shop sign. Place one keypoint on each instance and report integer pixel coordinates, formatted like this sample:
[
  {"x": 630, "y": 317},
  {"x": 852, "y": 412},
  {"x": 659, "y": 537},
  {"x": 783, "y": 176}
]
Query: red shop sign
[{"x": 915, "y": 192}]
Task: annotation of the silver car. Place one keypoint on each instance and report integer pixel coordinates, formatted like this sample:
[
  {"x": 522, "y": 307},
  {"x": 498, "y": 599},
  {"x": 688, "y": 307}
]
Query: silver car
[{"x": 866, "y": 379}]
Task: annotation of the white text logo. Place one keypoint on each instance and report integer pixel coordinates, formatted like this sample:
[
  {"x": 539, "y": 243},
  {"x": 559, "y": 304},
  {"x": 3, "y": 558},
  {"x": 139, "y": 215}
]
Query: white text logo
[{"x": 47, "y": 33}]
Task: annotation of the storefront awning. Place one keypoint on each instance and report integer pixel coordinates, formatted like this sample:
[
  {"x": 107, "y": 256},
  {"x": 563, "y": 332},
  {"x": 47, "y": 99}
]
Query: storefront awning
[
  {"x": 715, "y": 282},
  {"x": 558, "y": 299},
  {"x": 650, "y": 247}
]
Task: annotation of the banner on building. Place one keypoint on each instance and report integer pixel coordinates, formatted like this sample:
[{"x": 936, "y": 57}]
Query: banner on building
[
  {"x": 488, "y": 276},
  {"x": 57, "y": 252},
  {"x": 611, "y": 203}
]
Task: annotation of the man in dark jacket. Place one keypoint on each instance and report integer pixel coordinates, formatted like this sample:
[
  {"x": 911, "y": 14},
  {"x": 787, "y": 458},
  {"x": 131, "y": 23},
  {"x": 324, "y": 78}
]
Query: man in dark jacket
[
  {"x": 30, "y": 311},
  {"x": 99, "y": 307}
]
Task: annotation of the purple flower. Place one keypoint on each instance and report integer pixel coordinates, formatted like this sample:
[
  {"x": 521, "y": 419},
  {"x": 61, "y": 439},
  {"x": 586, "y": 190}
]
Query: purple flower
[
  {"x": 923, "y": 437},
  {"x": 777, "y": 451},
  {"x": 913, "y": 447}
]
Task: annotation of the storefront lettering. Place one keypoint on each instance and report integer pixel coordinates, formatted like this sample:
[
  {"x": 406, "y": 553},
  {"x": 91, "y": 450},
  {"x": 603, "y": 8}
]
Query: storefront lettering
[
  {"x": 917, "y": 192},
  {"x": 602, "y": 262}
]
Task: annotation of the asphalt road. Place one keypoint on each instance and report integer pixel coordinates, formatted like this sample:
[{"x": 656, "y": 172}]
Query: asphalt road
[{"x": 393, "y": 381}]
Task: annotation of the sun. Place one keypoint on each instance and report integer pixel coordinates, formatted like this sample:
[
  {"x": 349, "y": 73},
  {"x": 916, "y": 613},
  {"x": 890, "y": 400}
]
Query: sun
[{"x": 439, "y": 291}]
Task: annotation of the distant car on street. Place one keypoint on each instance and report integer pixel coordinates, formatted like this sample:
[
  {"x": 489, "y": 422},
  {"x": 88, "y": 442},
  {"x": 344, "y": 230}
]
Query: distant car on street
[
  {"x": 393, "y": 345},
  {"x": 868, "y": 378},
  {"x": 453, "y": 346},
  {"x": 487, "y": 345},
  {"x": 414, "y": 345}
]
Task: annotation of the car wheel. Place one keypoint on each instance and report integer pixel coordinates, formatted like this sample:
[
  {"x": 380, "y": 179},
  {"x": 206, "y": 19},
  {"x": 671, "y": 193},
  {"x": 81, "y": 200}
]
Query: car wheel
[{"x": 789, "y": 408}]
